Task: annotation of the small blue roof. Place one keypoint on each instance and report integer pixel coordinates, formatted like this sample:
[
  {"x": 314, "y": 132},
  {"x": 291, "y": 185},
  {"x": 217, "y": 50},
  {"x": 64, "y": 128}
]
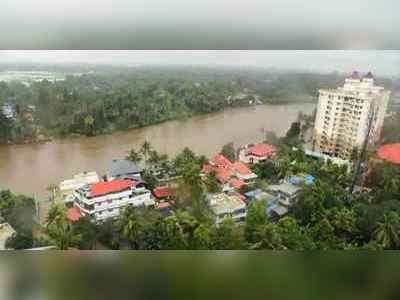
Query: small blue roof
[
  {"x": 271, "y": 207},
  {"x": 252, "y": 194},
  {"x": 298, "y": 179},
  {"x": 309, "y": 179}
]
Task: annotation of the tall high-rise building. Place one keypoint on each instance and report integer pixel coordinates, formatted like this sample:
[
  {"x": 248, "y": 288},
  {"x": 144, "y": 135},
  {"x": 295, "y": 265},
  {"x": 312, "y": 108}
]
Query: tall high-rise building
[{"x": 346, "y": 114}]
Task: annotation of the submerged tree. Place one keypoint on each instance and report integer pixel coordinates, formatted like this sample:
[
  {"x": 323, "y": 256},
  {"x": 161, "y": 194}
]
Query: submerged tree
[
  {"x": 386, "y": 232},
  {"x": 228, "y": 151},
  {"x": 134, "y": 156},
  {"x": 146, "y": 150},
  {"x": 212, "y": 183}
]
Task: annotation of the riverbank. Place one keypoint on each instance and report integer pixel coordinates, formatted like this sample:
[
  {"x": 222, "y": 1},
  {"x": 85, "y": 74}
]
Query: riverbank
[
  {"x": 50, "y": 136},
  {"x": 29, "y": 169}
]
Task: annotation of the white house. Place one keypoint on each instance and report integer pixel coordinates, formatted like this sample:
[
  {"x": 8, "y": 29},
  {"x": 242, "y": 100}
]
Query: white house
[
  {"x": 227, "y": 206},
  {"x": 106, "y": 200},
  {"x": 287, "y": 193},
  {"x": 6, "y": 231},
  {"x": 243, "y": 172}
]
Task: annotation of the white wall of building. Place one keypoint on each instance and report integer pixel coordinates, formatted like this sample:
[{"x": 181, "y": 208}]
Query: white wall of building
[
  {"x": 111, "y": 205},
  {"x": 343, "y": 116}
]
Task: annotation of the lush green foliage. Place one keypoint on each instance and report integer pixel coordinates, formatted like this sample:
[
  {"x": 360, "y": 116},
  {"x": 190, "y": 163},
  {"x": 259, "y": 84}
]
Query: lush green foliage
[
  {"x": 325, "y": 217},
  {"x": 120, "y": 98},
  {"x": 229, "y": 152},
  {"x": 18, "y": 211}
]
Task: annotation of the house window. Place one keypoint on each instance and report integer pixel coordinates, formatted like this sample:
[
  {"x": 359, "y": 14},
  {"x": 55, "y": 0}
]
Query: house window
[{"x": 240, "y": 211}]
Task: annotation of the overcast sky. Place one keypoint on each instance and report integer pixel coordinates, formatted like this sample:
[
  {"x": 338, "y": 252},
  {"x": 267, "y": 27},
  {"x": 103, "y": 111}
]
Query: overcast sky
[
  {"x": 379, "y": 62},
  {"x": 204, "y": 24}
]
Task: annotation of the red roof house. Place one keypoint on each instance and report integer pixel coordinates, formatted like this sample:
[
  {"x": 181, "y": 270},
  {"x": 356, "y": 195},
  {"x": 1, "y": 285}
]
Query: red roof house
[
  {"x": 163, "y": 192},
  {"x": 237, "y": 183},
  {"x": 223, "y": 174},
  {"x": 390, "y": 153},
  {"x": 163, "y": 205},
  {"x": 262, "y": 150},
  {"x": 104, "y": 188},
  {"x": 241, "y": 168},
  {"x": 73, "y": 214},
  {"x": 220, "y": 161}
]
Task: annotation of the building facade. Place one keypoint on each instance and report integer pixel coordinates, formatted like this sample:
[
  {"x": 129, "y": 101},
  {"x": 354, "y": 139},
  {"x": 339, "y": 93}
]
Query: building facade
[
  {"x": 345, "y": 115},
  {"x": 8, "y": 110},
  {"x": 252, "y": 154},
  {"x": 227, "y": 206},
  {"x": 105, "y": 200},
  {"x": 231, "y": 175}
]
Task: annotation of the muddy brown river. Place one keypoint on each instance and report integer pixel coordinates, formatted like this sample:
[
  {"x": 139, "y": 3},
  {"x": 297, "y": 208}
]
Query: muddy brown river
[{"x": 30, "y": 169}]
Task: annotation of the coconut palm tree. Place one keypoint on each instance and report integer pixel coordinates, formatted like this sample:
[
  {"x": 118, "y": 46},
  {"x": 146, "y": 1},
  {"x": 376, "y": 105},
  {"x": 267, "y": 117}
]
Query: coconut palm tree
[
  {"x": 59, "y": 229},
  {"x": 129, "y": 226},
  {"x": 53, "y": 189},
  {"x": 164, "y": 163},
  {"x": 182, "y": 226},
  {"x": 269, "y": 238},
  {"x": 203, "y": 236},
  {"x": 154, "y": 158},
  {"x": 89, "y": 124},
  {"x": 63, "y": 236},
  {"x": 282, "y": 166},
  {"x": 146, "y": 150},
  {"x": 182, "y": 220},
  {"x": 134, "y": 156},
  {"x": 390, "y": 179},
  {"x": 344, "y": 221},
  {"x": 55, "y": 216},
  {"x": 386, "y": 232}
]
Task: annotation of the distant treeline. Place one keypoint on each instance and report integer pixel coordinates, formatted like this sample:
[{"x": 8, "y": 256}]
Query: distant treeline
[{"x": 110, "y": 99}]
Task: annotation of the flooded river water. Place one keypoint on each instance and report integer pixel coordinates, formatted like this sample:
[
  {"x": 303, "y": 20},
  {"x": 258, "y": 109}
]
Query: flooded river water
[{"x": 30, "y": 169}]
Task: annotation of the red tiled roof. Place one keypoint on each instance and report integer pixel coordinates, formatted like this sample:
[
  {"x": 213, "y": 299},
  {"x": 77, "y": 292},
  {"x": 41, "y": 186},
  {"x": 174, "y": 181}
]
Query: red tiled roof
[
  {"x": 163, "y": 191},
  {"x": 163, "y": 205},
  {"x": 220, "y": 161},
  {"x": 262, "y": 150},
  {"x": 223, "y": 174},
  {"x": 104, "y": 188},
  {"x": 237, "y": 183},
  {"x": 73, "y": 214},
  {"x": 241, "y": 168},
  {"x": 390, "y": 153}
]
